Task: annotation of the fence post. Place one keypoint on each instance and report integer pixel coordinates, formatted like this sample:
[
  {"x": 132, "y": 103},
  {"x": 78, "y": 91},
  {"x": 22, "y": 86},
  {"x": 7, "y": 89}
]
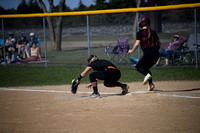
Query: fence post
[
  {"x": 45, "y": 46},
  {"x": 195, "y": 30},
  {"x": 88, "y": 33},
  {"x": 4, "y": 47},
  {"x": 138, "y": 28}
]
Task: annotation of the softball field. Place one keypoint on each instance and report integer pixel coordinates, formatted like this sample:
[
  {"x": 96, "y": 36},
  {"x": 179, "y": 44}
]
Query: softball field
[{"x": 173, "y": 108}]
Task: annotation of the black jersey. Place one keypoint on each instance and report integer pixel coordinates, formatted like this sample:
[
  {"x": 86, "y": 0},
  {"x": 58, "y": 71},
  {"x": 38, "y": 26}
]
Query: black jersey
[{"x": 101, "y": 65}]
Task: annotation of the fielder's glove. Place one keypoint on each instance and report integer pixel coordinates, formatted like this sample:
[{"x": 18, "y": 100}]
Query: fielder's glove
[
  {"x": 74, "y": 87},
  {"x": 75, "y": 84}
]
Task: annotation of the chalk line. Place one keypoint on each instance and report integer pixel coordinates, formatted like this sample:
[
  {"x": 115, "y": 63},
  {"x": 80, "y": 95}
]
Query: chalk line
[
  {"x": 136, "y": 92},
  {"x": 178, "y": 96},
  {"x": 54, "y": 91}
]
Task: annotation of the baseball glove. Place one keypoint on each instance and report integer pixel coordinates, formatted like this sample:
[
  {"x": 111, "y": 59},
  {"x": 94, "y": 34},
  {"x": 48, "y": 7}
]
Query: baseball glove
[{"x": 74, "y": 87}]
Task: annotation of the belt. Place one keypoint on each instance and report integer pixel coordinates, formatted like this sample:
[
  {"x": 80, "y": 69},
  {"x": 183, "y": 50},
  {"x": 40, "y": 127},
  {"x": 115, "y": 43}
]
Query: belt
[{"x": 110, "y": 67}]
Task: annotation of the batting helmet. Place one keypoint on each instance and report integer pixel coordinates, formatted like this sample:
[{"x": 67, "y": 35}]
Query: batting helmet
[{"x": 144, "y": 21}]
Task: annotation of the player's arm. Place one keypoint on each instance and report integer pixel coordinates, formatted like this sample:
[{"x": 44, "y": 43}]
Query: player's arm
[
  {"x": 87, "y": 69},
  {"x": 135, "y": 46},
  {"x": 76, "y": 82}
]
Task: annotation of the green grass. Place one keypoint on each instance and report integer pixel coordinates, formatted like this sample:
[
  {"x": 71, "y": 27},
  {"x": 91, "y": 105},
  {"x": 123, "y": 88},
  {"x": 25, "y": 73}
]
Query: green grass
[
  {"x": 38, "y": 76},
  {"x": 68, "y": 64}
]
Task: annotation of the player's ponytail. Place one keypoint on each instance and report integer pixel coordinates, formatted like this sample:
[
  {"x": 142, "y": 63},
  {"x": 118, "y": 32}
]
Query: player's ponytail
[{"x": 149, "y": 33}]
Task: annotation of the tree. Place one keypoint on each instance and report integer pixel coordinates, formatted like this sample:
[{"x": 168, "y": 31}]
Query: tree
[
  {"x": 100, "y": 4},
  {"x": 138, "y": 2},
  {"x": 34, "y": 7},
  {"x": 81, "y": 6},
  {"x": 154, "y": 16},
  {"x": 55, "y": 30},
  {"x": 116, "y": 4},
  {"x": 2, "y": 10},
  {"x": 22, "y": 8}
]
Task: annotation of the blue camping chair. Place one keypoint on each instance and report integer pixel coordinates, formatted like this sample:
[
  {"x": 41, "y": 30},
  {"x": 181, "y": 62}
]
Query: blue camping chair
[{"x": 1, "y": 42}]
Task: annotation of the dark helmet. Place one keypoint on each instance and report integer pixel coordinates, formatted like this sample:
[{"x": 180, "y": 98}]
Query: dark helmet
[{"x": 144, "y": 21}]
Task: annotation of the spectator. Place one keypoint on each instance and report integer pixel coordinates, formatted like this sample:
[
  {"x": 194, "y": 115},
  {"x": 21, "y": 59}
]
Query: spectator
[
  {"x": 22, "y": 45},
  {"x": 35, "y": 53},
  {"x": 31, "y": 40},
  {"x": 10, "y": 57},
  {"x": 10, "y": 42},
  {"x": 171, "y": 48}
]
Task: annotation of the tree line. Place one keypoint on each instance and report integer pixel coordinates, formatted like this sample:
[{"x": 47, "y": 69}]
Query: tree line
[{"x": 33, "y": 6}]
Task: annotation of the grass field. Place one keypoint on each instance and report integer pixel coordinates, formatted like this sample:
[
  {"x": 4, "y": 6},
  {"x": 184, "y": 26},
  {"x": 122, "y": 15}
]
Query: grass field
[
  {"x": 70, "y": 62},
  {"x": 35, "y": 75}
]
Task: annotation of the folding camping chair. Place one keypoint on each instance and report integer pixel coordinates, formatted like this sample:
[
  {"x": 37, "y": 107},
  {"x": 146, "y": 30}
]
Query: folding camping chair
[
  {"x": 186, "y": 55},
  {"x": 118, "y": 52},
  {"x": 189, "y": 56},
  {"x": 178, "y": 57}
]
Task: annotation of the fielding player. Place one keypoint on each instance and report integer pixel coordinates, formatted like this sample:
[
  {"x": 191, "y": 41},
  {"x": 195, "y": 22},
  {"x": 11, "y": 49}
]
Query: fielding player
[
  {"x": 103, "y": 70},
  {"x": 150, "y": 44}
]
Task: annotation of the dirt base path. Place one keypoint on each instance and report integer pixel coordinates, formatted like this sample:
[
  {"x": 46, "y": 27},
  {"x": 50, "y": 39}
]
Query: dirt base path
[{"x": 173, "y": 108}]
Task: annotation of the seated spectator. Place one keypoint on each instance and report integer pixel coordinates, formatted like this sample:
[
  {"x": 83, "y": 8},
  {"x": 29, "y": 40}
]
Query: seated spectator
[
  {"x": 22, "y": 45},
  {"x": 10, "y": 57},
  {"x": 171, "y": 48},
  {"x": 31, "y": 40},
  {"x": 35, "y": 53},
  {"x": 10, "y": 42}
]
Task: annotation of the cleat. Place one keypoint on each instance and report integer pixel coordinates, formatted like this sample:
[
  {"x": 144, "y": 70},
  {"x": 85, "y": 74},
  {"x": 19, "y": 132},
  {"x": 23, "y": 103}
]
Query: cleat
[
  {"x": 94, "y": 95},
  {"x": 151, "y": 87},
  {"x": 146, "y": 79},
  {"x": 125, "y": 89}
]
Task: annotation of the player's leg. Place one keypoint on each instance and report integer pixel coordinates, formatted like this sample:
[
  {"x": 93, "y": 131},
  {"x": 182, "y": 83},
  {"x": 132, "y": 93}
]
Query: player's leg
[
  {"x": 124, "y": 87},
  {"x": 93, "y": 79},
  {"x": 143, "y": 66},
  {"x": 112, "y": 81}
]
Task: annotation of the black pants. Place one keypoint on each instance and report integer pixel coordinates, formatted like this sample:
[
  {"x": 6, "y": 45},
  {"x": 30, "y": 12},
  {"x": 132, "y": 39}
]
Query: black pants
[
  {"x": 149, "y": 58},
  {"x": 110, "y": 77}
]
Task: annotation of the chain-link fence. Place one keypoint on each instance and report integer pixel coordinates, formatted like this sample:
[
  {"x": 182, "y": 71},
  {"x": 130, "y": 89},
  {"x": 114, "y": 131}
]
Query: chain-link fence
[{"x": 103, "y": 31}]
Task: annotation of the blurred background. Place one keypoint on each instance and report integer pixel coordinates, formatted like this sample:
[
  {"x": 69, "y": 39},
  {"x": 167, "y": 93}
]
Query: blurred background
[{"x": 103, "y": 30}]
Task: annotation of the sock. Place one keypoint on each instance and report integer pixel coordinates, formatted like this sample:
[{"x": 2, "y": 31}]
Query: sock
[
  {"x": 150, "y": 81},
  {"x": 119, "y": 84},
  {"x": 95, "y": 89}
]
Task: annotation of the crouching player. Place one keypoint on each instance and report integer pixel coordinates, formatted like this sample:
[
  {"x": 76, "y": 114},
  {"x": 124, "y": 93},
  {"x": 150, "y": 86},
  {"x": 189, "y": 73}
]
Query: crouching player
[{"x": 103, "y": 70}]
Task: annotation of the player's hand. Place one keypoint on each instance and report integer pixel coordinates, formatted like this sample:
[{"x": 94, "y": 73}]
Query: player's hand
[
  {"x": 93, "y": 84},
  {"x": 130, "y": 51},
  {"x": 89, "y": 85}
]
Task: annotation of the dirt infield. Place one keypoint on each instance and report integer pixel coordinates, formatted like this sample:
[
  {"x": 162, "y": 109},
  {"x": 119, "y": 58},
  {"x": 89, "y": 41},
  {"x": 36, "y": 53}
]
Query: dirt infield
[{"x": 173, "y": 108}]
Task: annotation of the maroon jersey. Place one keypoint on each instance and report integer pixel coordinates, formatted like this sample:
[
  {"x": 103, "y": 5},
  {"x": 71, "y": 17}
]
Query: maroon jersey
[{"x": 148, "y": 38}]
